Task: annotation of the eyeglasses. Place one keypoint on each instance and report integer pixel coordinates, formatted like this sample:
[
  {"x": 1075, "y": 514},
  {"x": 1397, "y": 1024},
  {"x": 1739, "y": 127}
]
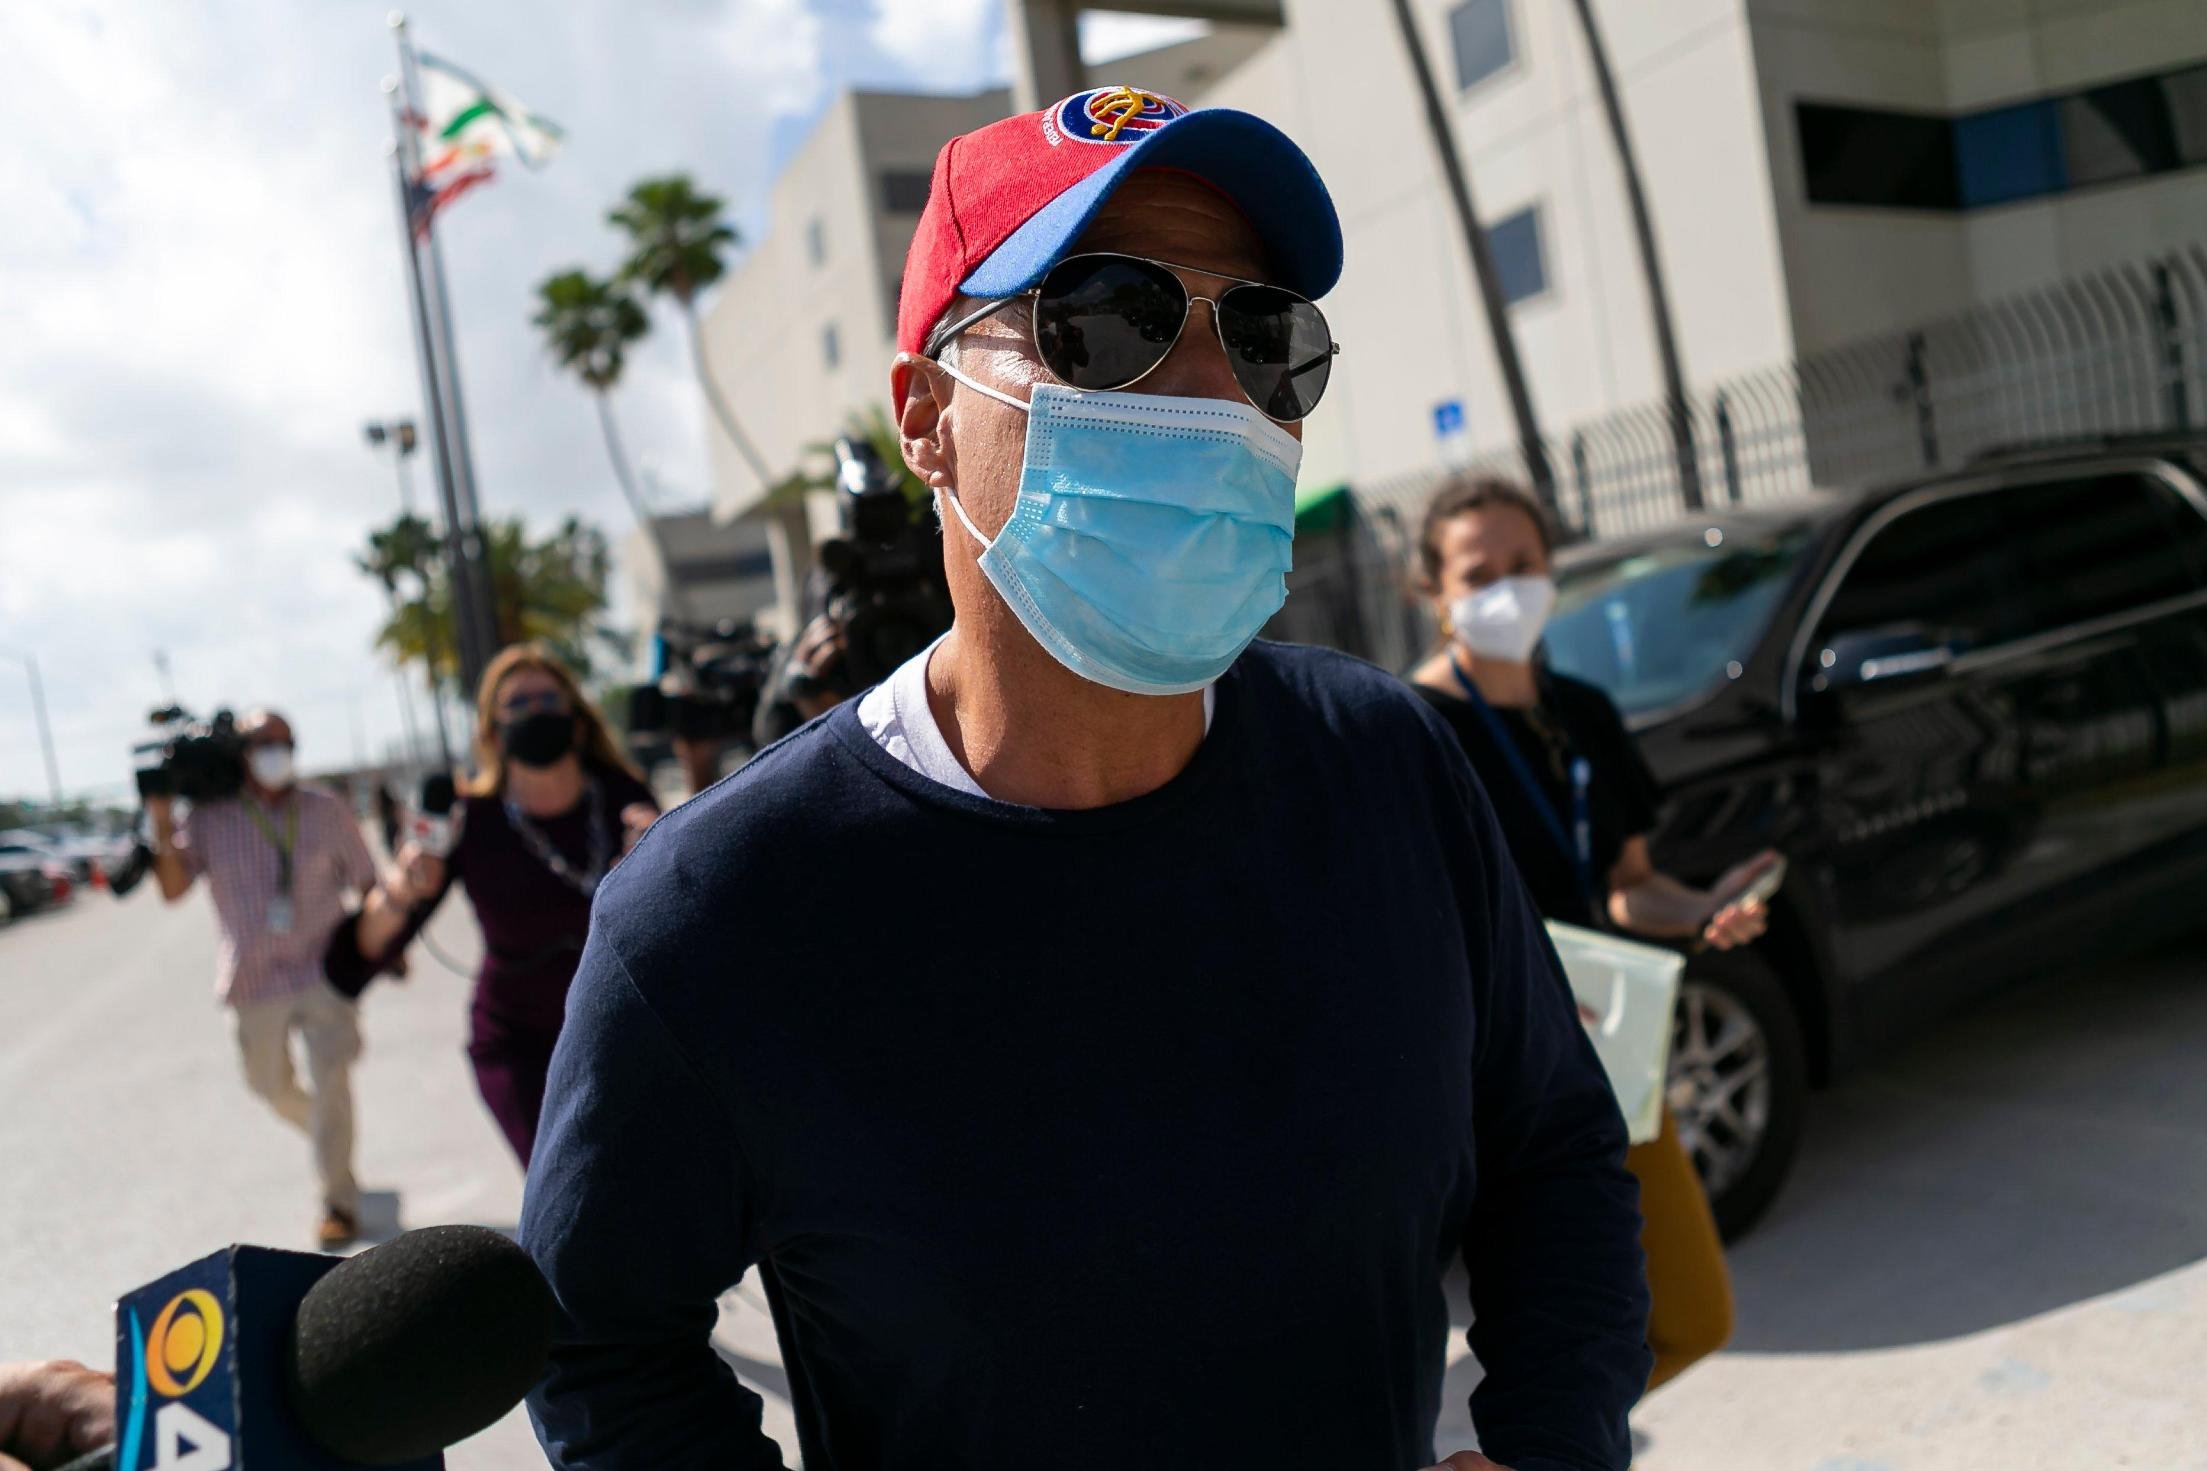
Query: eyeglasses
[
  {"x": 543, "y": 702},
  {"x": 1105, "y": 321}
]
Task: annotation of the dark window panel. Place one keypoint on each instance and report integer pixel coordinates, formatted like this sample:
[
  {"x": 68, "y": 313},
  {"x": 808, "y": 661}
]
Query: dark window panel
[
  {"x": 2124, "y": 131},
  {"x": 1520, "y": 262},
  {"x": 1479, "y": 30},
  {"x": 904, "y": 191},
  {"x": 1941, "y": 572},
  {"x": 2101, "y": 547},
  {"x": 2009, "y": 153},
  {"x": 2187, "y": 95},
  {"x": 1897, "y": 160}
]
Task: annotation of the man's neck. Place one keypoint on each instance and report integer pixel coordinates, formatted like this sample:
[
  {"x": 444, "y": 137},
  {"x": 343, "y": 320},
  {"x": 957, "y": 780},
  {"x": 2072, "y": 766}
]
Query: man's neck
[
  {"x": 1034, "y": 733},
  {"x": 270, "y": 796},
  {"x": 544, "y": 791}
]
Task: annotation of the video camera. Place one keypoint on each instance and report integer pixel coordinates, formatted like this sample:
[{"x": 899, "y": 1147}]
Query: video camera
[
  {"x": 886, "y": 592},
  {"x": 200, "y": 761},
  {"x": 710, "y": 685}
]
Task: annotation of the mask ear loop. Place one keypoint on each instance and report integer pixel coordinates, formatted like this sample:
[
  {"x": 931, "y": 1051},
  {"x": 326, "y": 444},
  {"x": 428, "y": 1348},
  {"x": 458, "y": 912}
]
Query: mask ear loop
[{"x": 957, "y": 504}]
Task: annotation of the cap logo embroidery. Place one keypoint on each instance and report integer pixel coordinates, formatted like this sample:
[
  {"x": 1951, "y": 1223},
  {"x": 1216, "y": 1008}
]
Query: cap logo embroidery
[{"x": 1110, "y": 115}]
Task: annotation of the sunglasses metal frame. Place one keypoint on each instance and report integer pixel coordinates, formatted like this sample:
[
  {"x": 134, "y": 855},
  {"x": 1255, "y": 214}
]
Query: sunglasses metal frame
[{"x": 944, "y": 335}]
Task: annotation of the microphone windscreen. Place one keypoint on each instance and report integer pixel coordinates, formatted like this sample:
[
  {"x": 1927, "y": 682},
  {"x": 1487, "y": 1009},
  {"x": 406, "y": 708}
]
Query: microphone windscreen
[
  {"x": 419, "y": 1343},
  {"x": 438, "y": 795}
]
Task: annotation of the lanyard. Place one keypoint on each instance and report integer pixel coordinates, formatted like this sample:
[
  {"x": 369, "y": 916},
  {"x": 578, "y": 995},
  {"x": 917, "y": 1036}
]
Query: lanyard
[
  {"x": 1578, "y": 843},
  {"x": 284, "y": 844}
]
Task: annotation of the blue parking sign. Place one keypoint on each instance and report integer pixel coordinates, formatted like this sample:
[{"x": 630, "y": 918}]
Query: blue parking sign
[{"x": 1448, "y": 418}]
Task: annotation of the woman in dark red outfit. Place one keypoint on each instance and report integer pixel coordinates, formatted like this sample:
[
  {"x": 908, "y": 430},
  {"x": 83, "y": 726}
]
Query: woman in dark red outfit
[{"x": 553, "y": 807}]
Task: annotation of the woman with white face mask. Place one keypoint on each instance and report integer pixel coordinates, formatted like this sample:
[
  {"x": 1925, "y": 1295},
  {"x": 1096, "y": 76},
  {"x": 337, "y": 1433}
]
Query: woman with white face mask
[{"x": 1575, "y": 803}]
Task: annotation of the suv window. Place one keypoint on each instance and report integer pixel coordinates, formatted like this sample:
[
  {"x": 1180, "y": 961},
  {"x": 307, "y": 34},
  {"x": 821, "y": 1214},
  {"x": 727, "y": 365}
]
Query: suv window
[
  {"x": 2102, "y": 546},
  {"x": 1940, "y": 571}
]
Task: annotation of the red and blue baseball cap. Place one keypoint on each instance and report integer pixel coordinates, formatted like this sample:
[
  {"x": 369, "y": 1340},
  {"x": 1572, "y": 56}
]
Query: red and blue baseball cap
[{"x": 1009, "y": 200}]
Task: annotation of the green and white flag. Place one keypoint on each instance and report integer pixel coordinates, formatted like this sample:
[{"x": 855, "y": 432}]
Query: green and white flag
[{"x": 466, "y": 126}]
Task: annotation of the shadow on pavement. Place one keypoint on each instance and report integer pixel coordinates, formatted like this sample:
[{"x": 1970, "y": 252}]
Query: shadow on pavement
[{"x": 2048, "y": 1148}]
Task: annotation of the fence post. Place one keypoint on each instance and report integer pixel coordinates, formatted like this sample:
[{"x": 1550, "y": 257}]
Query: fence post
[
  {"x": 2172, "y": 346},
  {"x": 1583, "y": 478},
  {"x": 1919, "y": 392},
  {"x": 1729, "y": 447}
]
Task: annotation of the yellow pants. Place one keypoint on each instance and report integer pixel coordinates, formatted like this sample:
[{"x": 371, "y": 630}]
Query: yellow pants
[{"x": 1687, "y": 1279}]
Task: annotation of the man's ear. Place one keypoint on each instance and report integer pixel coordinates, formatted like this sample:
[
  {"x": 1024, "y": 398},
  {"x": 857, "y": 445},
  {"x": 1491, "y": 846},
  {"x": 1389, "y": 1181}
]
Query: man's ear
[{"x": 920, "y": 389}]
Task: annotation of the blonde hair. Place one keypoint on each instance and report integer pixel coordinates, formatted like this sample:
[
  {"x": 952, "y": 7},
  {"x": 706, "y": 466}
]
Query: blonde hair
[{"x": 596, "y": 745}]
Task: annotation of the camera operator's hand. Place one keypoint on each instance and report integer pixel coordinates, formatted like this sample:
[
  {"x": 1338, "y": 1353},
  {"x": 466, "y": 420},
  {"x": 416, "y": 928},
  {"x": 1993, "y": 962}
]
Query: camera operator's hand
[
  {"x": 53, "y": 1412},
  {"x": 162, "y": 810},
  {"x": 818, "y": 647},
  {"x": 635, "y": 818}
]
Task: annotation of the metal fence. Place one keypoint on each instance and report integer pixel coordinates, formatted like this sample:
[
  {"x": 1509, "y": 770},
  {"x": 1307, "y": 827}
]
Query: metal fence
[{"x": 2118, "y": 351}]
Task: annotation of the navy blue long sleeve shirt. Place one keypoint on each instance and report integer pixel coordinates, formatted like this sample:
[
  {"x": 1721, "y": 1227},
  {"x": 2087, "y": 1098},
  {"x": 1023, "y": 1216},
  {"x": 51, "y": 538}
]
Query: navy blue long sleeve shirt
[{"x": 1131, "y": 1137}]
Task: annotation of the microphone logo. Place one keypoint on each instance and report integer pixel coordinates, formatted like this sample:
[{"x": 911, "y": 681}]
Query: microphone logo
[{"x": 184, "y": 1343}]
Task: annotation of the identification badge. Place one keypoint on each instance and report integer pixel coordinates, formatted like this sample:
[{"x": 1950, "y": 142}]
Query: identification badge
[{"x": 279, "y": 915}]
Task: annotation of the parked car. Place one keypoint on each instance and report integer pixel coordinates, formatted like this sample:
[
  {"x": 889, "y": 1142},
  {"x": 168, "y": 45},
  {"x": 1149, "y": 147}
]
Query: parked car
[
  {"x": 1971, "y": 708},
  {"x": 26, "y": 882}
]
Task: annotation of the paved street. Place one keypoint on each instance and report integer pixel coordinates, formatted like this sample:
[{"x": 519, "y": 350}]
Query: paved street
[{"x": 1992, "y": 1255}]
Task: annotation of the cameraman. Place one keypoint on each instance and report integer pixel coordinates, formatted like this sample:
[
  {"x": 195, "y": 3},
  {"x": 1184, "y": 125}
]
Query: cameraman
[
  {"x": 807, "y": 680},
  {"x": 280, "y": 860}
]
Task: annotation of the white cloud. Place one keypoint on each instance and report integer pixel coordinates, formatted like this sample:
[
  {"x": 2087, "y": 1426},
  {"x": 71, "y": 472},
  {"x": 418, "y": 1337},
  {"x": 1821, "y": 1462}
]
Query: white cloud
[
  {"x": 200, "y": 282},
  {"x": 944, "y": 45}
]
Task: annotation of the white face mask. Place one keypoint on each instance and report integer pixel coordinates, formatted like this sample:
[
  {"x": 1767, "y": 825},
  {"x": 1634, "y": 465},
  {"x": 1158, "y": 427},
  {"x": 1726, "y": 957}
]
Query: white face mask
[
  {"x": 1503, "y": 620},
  {"x": 270, "y": 765}
]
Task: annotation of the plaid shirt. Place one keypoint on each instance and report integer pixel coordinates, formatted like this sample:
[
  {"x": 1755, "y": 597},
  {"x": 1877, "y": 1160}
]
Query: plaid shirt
[{"x": 221, "y": 840}]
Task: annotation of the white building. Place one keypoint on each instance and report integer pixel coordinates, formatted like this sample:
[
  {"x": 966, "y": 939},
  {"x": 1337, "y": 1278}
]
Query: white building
[
  {"x": 1819, "y": 171},
  {"x": 722, "y": 569}
]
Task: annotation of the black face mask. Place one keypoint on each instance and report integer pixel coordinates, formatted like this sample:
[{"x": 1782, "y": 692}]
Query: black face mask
[{"x": 539, "y": 739}]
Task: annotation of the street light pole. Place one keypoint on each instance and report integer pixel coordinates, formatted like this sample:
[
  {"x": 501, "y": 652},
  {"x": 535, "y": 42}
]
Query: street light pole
[{"x": 45, "y": 731}]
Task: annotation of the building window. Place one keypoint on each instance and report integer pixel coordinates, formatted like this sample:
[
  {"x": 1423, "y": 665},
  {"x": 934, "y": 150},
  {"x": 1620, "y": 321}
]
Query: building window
[
  {"x": 831, "y": 347},
  {"x": 2125, "y": 131},
  {"x": 1860, "y": 155},
  {"x": 1520, "y": 261},
  {"x": 816, "y": 242},
  {"x": 2008, "y": 153},
  {"x": 904, "y": 191},
  {"x": 2026, "y": 150},
  {"x": 1479, "y": 31}
]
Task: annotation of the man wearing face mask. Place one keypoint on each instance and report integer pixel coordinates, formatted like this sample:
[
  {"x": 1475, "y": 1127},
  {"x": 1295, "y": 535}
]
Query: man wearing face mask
[
  {"x": 281, "y": 859},
  {"x": 1173, "y": 1016}
]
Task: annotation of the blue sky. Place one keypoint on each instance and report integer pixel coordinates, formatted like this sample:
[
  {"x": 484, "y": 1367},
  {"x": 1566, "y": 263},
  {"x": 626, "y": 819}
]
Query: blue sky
[{"x": 201, "y": 303}]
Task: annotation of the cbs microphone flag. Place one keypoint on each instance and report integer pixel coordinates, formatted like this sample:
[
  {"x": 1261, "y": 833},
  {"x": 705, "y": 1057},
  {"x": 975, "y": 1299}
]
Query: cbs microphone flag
[{"x": 466, "y": 126}]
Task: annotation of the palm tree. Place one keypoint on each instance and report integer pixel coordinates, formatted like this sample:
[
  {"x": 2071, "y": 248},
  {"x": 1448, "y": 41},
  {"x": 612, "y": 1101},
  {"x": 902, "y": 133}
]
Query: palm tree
[
  {"x": 552, "y": 590},
  {"x": 677, "y": 238},
  {"x": 408, "y": 547},
  {"x": 1651, "y": 265},
  {"x": 589, "y": 324}
]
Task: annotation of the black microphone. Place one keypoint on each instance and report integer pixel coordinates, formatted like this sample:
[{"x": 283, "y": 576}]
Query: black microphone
[
  {"x": 439, "y": 829},
  {"x": 261, "y": 1360}
]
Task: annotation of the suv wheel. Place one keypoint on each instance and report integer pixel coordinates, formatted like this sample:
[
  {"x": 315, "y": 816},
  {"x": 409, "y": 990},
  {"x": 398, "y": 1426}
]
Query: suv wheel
[{"x": 1738, "y": 1083}]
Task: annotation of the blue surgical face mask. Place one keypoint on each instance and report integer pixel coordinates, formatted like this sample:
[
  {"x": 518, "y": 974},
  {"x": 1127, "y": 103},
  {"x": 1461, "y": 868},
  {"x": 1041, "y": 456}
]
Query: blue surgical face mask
[{"x": 1152, "y": 536}]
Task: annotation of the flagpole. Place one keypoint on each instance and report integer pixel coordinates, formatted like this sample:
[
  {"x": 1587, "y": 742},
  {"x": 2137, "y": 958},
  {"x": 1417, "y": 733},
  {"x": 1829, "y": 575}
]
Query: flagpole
[
  {"x": 482, "y": 607},
  {"x": 458, "y": 573}
]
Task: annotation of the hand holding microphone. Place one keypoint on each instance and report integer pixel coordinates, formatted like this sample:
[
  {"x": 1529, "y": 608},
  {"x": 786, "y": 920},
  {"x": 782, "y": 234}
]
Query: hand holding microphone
[
  {"x": 259, "y": 1360},
  {"x": 51, "y": 1411}
]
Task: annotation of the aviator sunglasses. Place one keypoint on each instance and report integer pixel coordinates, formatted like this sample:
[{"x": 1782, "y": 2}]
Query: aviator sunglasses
[{"x": 1105, "y": 321}]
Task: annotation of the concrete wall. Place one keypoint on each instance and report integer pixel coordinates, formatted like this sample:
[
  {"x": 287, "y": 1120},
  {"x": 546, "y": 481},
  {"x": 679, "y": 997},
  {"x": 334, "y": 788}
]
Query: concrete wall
[
  {"x": 1854, "y": 271},
  {"x": 1407, "y": 312}
]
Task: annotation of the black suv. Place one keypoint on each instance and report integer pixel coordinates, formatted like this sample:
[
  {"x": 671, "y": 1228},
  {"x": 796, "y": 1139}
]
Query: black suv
[{"x": 1971, "y": 709}]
